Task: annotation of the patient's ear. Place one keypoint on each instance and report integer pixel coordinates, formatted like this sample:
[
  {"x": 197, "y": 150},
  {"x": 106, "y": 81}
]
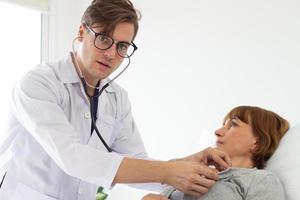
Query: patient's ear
[{"x": 254, "y": 146}]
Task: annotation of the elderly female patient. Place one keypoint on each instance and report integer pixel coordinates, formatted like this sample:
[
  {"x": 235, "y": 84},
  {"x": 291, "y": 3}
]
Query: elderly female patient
[{"x": 250, "y": 135}]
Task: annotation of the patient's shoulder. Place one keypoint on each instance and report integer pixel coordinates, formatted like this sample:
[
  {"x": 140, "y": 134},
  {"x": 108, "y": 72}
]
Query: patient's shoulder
[
  {"x": 262, "y": 175},
  {"x": 266, "y": 185}
]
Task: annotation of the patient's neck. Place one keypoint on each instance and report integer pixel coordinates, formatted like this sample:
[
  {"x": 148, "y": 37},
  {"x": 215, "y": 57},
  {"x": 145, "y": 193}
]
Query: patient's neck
[{"x": 241, "y": 162}]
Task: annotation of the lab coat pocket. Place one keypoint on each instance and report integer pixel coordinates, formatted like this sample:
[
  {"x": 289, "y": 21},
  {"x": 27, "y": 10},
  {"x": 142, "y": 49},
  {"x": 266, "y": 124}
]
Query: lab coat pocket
[
  {"x": 106, "y": 126},
  {"x": 25, "y": 192}
]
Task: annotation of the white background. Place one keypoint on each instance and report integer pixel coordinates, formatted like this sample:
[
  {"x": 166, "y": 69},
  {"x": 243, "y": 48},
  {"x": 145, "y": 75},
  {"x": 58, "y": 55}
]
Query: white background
[
  {"x": 20, "y": 50},
  {"x": 196, "y": 61}
]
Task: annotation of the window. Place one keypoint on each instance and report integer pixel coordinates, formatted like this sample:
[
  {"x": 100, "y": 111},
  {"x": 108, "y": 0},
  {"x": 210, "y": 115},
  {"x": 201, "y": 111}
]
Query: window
[{"x": 20, "y": 49}]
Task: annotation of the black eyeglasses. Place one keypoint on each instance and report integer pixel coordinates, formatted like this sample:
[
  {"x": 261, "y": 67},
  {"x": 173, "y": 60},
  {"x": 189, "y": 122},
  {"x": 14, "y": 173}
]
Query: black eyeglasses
[{"x": 103, "y": 42}]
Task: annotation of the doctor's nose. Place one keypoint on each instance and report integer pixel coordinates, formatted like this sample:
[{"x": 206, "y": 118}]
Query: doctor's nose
[{"x": 111, "y": 52}]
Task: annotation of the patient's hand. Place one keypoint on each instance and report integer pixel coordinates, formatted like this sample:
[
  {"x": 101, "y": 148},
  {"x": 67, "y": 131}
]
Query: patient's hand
[{"x": 154, "y": 197}]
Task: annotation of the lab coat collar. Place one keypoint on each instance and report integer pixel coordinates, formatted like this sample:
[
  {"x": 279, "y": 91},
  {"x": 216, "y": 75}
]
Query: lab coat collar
[{"x": 68, "y": 73}]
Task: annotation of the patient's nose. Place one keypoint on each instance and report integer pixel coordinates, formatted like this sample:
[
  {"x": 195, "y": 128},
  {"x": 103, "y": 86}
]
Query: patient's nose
[{"x": 220, "y": 132}]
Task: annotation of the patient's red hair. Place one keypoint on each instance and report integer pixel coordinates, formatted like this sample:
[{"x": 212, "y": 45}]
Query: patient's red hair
[{"x": 266, "y": 125}]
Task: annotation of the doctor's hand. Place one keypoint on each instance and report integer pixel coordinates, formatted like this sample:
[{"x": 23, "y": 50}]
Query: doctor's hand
[
  {"x": 211, "y": 157},
  {"x": 190, "y": 177},
  {"x": 154, "y": 197}
]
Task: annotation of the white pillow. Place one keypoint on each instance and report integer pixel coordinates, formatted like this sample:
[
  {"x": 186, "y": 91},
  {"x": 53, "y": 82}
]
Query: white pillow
[{"x": 285, "y": 162}]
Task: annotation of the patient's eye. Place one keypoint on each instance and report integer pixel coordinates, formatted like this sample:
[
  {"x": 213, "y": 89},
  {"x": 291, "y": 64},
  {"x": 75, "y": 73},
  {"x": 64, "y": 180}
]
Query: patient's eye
[
  {"x": 233, "y": 123},
  {"x": 230, "y": 123}
]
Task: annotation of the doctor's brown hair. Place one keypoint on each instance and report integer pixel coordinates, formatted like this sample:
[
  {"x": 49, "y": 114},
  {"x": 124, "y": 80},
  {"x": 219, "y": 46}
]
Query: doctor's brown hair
[
  {"x": 109, "y": 13},
  {"x": 267, "y": 126}
]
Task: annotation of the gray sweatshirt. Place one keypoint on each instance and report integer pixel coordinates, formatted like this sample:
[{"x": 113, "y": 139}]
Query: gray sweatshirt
[{"x": 238, "y": 184}]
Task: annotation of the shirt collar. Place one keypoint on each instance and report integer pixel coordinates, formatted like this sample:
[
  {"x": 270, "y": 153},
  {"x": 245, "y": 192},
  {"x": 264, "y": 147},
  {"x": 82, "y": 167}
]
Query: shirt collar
[
  {"x": 69, "y": 74},
  {"x": 228, "y": 173}
]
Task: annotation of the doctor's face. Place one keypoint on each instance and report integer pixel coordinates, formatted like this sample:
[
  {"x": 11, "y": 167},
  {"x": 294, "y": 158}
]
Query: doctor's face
[
  {"x": 236, "y": 138},
  {"x": 97, "y": 64}
]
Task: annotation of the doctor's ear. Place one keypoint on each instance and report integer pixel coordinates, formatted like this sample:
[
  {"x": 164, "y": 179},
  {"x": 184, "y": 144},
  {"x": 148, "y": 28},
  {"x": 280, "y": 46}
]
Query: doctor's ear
[{"x": 80, "y": 34}]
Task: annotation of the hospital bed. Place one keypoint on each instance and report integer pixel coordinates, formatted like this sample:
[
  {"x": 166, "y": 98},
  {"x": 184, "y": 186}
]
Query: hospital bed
[{"x": 285, "y": 162}]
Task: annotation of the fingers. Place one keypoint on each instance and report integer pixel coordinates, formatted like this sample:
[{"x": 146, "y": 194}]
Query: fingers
[
  {"x": 197, "y": 191},
  {"x": 208, "y": 173},
  {"x": 211, "y": 156},
  {"x": 190, "y": 177},
  {"x": 225, "y": 157},
  {"x": 203, "y": 183},
  {"x": 219, "y": 159},
  {"x": 197, "y": 186}
]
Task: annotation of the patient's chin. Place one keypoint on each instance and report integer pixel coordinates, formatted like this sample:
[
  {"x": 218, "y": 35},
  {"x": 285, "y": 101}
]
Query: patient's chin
[{"x": 220, "y": 147}]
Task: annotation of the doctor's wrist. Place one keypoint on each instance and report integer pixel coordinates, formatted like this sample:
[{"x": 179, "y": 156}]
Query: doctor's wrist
[{"x": 167, "y": 171}]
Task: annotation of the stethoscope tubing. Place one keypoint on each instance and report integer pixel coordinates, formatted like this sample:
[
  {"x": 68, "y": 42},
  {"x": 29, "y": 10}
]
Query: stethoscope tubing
[
  {"x": 85, "y": 85},
  {"x": 93, "y": 119}
]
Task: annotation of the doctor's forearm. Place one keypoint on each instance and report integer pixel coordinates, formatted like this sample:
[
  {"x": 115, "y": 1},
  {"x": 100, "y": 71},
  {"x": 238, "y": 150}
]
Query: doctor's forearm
[
  {"x": 190, "y": 177},
  {"x": 141, "y": 171}
]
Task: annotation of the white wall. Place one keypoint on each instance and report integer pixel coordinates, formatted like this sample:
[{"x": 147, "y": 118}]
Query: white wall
[
  {"x": 197, "y": 60},
  {"x": 64, "y": 20}
]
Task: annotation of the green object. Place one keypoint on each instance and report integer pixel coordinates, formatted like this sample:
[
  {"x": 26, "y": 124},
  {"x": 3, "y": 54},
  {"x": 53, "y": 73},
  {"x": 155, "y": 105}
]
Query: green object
[{"x": 100, "y": 194}]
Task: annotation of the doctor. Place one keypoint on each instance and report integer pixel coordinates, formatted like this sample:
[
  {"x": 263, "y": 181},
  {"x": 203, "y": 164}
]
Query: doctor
[{"x": 56, "y": 149}]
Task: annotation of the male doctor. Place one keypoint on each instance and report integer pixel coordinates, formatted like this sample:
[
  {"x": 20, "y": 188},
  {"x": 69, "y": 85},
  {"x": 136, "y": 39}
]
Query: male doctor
[{"x": 71, "y": 128}]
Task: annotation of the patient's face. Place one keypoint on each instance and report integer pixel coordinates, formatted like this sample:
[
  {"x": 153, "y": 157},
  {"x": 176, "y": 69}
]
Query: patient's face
[{"x": 236, "y": 138}]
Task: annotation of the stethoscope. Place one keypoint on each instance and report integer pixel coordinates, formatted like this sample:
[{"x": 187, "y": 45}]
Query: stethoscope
[{"x": 95, "y": 96}]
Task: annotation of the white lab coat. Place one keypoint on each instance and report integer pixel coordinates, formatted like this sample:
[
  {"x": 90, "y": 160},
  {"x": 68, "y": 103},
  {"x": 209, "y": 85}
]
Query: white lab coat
[{"x": 48, "y": 152}]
